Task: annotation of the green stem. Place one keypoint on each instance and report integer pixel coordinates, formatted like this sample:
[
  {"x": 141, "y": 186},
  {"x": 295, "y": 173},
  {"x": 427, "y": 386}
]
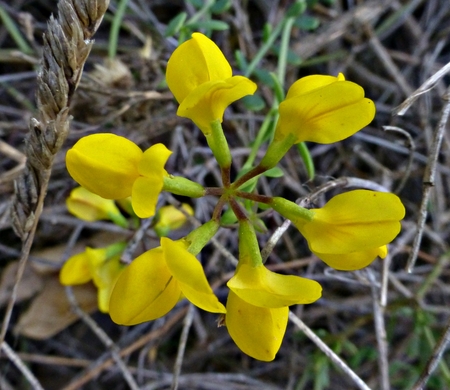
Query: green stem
[
  {"x": 263, "y": 50},
  {"x": 263, "y": 130},
  {"x": 291, "y": 210},
  {"x": 249, "y": 252},
  {"x": 15, "y": 33},
  {"x": 115, "y": 28},
  {"x": 258, "y": 170},
  {"x": 255, "y": 197},
  {"x": 219, "y": 145},
  {"x": 307, "y": 159},
  {"x": 276, "y": 151},
  {"x": 284, "y": 48},
  {"x": 181, "y": 186},
  {"x": 199, "y": 237}
]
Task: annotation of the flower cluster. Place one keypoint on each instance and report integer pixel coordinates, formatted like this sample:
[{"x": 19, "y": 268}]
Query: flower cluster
[{"x": 347, "y": 233}]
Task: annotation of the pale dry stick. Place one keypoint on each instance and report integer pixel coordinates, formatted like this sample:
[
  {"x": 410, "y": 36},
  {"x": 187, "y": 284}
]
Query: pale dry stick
[
  {"x": 274, "y": 238},
  {"x": 435, "y": 358},
  {"x": 427, "y": 86},
  {"x": 103, "y": 337},
  {"x": 328, "y": 351},
  {"x": 182, "y": 346},
  {"x": 67, "y": 44},
  {"x": 129, "y": 253},
  {"x": 380, "y": 331},
  {"x": 12, "y": 356},
  {"x": 428, "y": 181},
  {"x": 93, "y": 372},
  {"x": 411, "y": 147}
]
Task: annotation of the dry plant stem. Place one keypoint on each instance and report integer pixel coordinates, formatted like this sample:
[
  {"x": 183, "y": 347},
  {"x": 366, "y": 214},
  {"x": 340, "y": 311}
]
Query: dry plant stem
[
  {"x": 411, "y": 147},
  {"x": 182, "y": 346},
  {"x": 380, "y": 331},
  {"x": 274, "y": 238},
  {"x": 435, "y": 358},
  {"x": 328, "y": 352},
  {"x": 103, "y": 337},
  {"x": 428, "y": 181},
  {"x": 429, "y": 84},
  {"x": 154, "y": 335},
  {"x": 12, "y": 356},
  {"x": 67, "y": 44}
]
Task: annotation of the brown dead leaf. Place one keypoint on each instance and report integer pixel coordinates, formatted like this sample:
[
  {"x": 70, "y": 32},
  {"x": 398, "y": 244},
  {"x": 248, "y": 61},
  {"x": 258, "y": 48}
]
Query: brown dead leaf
[
  {"x": 50, "y": 312},
  {"x": 30, "y": 284}
]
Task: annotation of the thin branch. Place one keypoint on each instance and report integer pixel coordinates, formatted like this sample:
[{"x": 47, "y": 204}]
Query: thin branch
[
  {"x": 428, "y": 181},
  {"x": 328, "y": 352},
  {"x": 182, "y": 346},
  {"x": 428, "y": 85},
  {"x": 103, "y": 337},
  {"x": 13, "y": 357},
  {"x": 435, "y": 358},
  {"x": 380, "y": 331}
]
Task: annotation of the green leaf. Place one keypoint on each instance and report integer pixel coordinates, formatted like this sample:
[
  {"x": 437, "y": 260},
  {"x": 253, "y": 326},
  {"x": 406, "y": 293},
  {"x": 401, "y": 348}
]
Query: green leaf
[
  {"x": 253, "y": 102},
  {"x": 296, "y": 9},
  {"x": 220, "y": 6},
  {"x": 228, "y": 218},
  {"x": 307, "y": 23},
  {"x": 274, "y": 172},
  {"x": 241, "y": 60},
  {"x": 196, "y": 3},
  {"x": 267, "y": 31},
  {"x": 174, "y": 26},
  {"x": 264, "y": 76},
  {"x": 209, "y": 25},
  {"x": 307, "y": 159}
]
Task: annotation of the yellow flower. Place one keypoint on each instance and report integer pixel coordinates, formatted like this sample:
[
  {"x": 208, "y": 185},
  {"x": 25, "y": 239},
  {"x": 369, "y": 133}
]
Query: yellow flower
[
  {"x": 90, "y": 207},
  {"x": 114, "y": 168},
  {"x": 101, "y": 265},
  {"x": 201, "y": 80},
  {"x": 171, "y": 218},
  {"x": 154, "y": 282},
  {"x": 353, "y": 228},
  {"x": 323, "y": 109},
  {"x": 259, "y": 300},
  {"x": 257, "y": 331},
  {"x": 354, "y": 260},
  {"x": 264, "y": 288}
]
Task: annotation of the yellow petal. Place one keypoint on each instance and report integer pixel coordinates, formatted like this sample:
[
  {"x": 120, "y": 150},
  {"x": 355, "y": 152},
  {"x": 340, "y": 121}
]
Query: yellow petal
[
  {"x": 257, "y": 331},
  {"x": 310, "y": 83},
  {"x": 105, "y": 277},
  {"x": 90, "y": 207},
  {"x": 145, "y": 196},
  {"x": 352, "y": 261},
  {"x": 193, "y": 63},
  {"x": 209, "y": 101},
  {"x": 153, "y": 161},
  {"x": 76, "y": 270},
  {"x": 326, "y": 114},
  {"x": 144, "y": 291},
  {"x": 188, "y": 272},
  {"x": 264, "y": 288},
  {"x": 354, "y": 221},
  {"x": 105, "y": 164},
  {"x": 171, "y": 218}
]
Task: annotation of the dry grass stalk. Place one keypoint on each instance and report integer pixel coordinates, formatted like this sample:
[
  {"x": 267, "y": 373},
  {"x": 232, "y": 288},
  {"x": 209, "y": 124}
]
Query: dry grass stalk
[{"x": 67, "y": 44}]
